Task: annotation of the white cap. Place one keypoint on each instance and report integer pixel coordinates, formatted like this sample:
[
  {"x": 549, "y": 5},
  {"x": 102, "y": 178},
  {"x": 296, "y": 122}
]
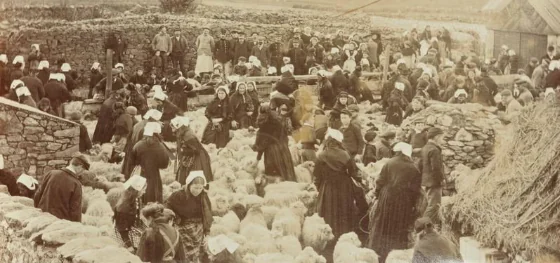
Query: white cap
[
  {"x": 157, "y": 88},
  {"x": 1, "y": 161},
  {"x": 159, "y": 95},
  {"x": 335, "y": 134},
  {"x": 286, "y": 60},
  {"x": 29, "y": 182},
  {"x": 249, "y": 65},
  {"x": 19, "y": 59},
  {"x": 4, "y": 58},
  {"x": 180, "y": 121},
  {"x": 43, "y": 64},
  {"x": 65, "y": 67},
  {"x": 460, "y": 92},
  {"x": 119, "y": 65},
  {"x": 400, "y": 86},
  {"x": 334, "y": 50},
  {"x": 322, "y": 73},
  {"x": 554, "y": 65},
  {"x": 23, "y": 91},
  {"x": 252, "y": 59},
  {"x": 272, "y": 70},
  {"x": 95, "y": 65},
  {"x": 257, "y": 63},
  {"x": 137, "y": 182},
  {"x": 36, "y": 46},
  {"x": 154, "y": 114},
  {"x": 193, "y": 175},
  {"x": 336, "y": 68},
  {"x": 53, "y": 76},
  {"x": 151, "y": 128},
  {"x": 403, "y": 147},
  {"x": 16, "y": 83},
  {"x": 224, "y": 88}
]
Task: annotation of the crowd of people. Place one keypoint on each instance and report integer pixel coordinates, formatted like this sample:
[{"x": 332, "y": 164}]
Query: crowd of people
[{"x": 328, "y": 133}]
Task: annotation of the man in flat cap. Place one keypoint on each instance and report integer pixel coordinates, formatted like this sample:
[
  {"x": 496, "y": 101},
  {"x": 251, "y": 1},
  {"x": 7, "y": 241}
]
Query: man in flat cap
[
  {"x": 60, "y": 192},
  {"x": 433, "y": 174}
]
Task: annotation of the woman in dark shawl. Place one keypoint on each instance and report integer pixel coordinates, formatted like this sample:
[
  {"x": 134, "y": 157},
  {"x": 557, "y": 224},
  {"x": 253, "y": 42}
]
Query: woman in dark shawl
[
  {"x": 191, "y": 155},
  {"x": 106, "y": 122},
  {"x": 333, "y": 174},
  {"x": 272, "y": 141},
  {"x": 219, "y": 117},
  {"x": 150, "y": 153},
  {"x": 160, "y": 242},
  {"x": 135, "y": 136},
  {"x": 398, "y": 189},
  {"x": 194, "y": 218},
  {"x": 241, "y": 107},
  {"x": 136, "y": 99},
  {"x": 169, "y": 111},
  {"x": 252, "y": 92},
  {"x": 397, "y": 104},
  {"x": 177, "y": 88}
]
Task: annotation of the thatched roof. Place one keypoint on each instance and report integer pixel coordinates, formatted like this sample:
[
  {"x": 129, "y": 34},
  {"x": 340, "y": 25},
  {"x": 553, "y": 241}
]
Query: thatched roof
[
  {"x": 549, "y": 10},
  {"x": 515, "y": 203}
]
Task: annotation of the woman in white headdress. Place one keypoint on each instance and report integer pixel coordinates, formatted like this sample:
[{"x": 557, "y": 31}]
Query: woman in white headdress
[
  {"x": 18, "y": 65},
  {"x": 191, "y": 155},
  {"x": 219, "y": 119},
  {"x": 34, "y": 57},
  {"x": 24, "y": 96},
  {"x": 44, "y": 71},
  {"x": 334, "y": 176},
  {"x": 27, "y": 185},
  {"x": 128, "y": 226},
  {"x": 398, "y": 191},
  {"x": 94, "y": 78}
]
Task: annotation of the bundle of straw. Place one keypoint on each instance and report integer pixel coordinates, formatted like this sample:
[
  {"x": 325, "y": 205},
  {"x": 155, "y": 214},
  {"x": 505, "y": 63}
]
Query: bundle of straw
[{"x": 515, "y": 204}]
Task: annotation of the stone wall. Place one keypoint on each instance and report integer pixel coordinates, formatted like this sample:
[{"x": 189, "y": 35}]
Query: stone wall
[
  {"x": 28, "y": 235},
  {"x": 469, "y": 132},
  {"x": 34, "y": 141}
]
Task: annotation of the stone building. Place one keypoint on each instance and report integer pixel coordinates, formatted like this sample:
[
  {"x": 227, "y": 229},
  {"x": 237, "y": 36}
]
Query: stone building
[{"x": 35, "y": 142}]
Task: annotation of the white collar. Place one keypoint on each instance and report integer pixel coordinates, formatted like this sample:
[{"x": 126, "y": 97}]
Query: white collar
[{"x": 69, "y": 167}]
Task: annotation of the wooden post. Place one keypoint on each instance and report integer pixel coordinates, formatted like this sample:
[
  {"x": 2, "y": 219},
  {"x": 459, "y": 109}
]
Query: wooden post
[
  {"x": 109, "y": 68},
  {"x": 385, "y": 65}
]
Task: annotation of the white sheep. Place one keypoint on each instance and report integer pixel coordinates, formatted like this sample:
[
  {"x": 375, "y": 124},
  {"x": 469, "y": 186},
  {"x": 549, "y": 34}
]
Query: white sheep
[
  {"x": 269, "y": 213},
  {"x": 259, "y": 239},
  {"x": 288, "y": 245},
  {"x": 244, "y": 175},
  {"x": 248, "y": 185},
  {"x": 254, "y": 216},
  {"x": 280, "y": 199},
  {"x": 231, "y": 222},
  {"x": 114, "y": 195},
  {"x": 99, "y": 208},
  {"x": 225, "y": 153},
  {"x": 348, "y": 249},
  {"x": 316, "y": 233},
  {"x": 288, "y": 221},
  {"x": 218, "y": 229},
  {"x": 252, "y": 200},
  {"x": 220, "y": 204},
  {"x": 400, "y": 256},
  {"x": 223, "y": 183},
  {"x": 304, "y": 172},
  {"x": 308, "y": 255},
  {"x": 97, "y": 221},
  {"x": 222, "y": 170}
]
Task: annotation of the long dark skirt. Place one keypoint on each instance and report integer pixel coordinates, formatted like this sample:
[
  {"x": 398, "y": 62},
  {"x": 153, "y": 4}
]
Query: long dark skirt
[
  {"x": 391, "y": 222},
  {"x": 192, "y": 235},
  {"x": 278, "y": 161},
  {"x": 220, "y": 136},
  {"x": 179, "y": 99}
]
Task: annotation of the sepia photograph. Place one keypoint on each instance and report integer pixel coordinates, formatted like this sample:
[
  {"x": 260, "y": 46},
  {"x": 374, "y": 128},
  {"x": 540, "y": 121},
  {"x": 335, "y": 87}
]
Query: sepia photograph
[{"x": 279, "y": 131}]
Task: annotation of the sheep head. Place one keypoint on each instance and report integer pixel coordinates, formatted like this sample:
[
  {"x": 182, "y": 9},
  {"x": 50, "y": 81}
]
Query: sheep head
[
  {"x": 350, "y": 238},
  {"x": 309, "y": 165},
  {"x": 298, "y": 208}
]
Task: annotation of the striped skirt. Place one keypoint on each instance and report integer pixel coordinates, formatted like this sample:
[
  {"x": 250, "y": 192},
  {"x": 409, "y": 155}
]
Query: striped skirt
[{"x": 192, "y": 235}]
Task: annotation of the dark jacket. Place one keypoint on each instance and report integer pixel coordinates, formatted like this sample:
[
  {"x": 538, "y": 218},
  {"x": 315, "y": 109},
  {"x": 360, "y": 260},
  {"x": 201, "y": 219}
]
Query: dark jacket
[
  {"x": 60, "y": 194},
  {"x": 151, "y": 155},
  {"x": 9, "y": 179},
  {"x": 153, "y": 247},
  {"x": 85, "y": 141},
  {"x": 135, "y": 79},
  {"x": 261, "y": 54},
  {"x": 241, "y": 50},
  {"x": 35, "y": 86},
  {"x": 432, "y": 166},
  {"x": 223, "y": 51},
  {"x": 353, "y": 140},
  {"x": 57, "y": 93},
  {"x": 176, "y": 202},
  {"x": 44, "y": 75},
  {"x": 369, "y": 154},
  {"x": 178, "y": 47},
  {"x": 70, "y": 82},
  {"x": 383, "y": 150}
]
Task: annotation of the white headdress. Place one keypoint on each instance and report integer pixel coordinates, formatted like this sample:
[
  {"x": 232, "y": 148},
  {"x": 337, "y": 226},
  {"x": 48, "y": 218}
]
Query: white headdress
[
  {"x": 460, "y": 92},
  {"x": 119, "y": 65},
  {"x": 19, "y": 59},
  {"x": 336, "y": 68},
  {"x": 151, "y": 128},
  {"x": 159, "y": 95},
  {"x": 43, "y": 64},
  {"x": 272, "y": 70},
  {"x": 16, "y": 83},
  {"x": 4, "y": 58},
  {"x": 180, "y": 121},
  {"x": 335, "y": 134},
  {"x": 29, "y": 182},
  {"x": 137, "y": 182},
  {"x": 23, "y": 91},
  {"x": 154, "y": 114},
  {"x": 405, "y": 148},
  {"x": 65, "y": 67},
  {"x": 334, "y": 50},
  {"x": 224, "y": 88},
  {"x": 95, "y": 65},
  {"x": 400, "y": 86},
  {"x": 193, "y": 175}
]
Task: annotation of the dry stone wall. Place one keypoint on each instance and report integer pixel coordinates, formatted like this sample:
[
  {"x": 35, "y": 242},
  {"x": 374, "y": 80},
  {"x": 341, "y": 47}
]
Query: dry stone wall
[
  {"x": 33, "y": 141},
  {"x": 469, "y": 129},
  {"x": 28, "y": 235}
]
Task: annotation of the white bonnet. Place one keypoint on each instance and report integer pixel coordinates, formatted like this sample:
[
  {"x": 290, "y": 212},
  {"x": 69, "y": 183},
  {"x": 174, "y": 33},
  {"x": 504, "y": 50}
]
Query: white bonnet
[
  {"x": 335, "y": 134},
  {"x": 403, "y": 147},
  {"x": 29, "y": 182},
  {"x": 193, "y": 175}
]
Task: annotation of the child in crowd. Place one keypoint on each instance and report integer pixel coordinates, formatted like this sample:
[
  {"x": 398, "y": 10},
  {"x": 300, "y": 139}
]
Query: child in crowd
[
  {"x": 369, "y": 149},
  {"x": 192, "y": 81}
]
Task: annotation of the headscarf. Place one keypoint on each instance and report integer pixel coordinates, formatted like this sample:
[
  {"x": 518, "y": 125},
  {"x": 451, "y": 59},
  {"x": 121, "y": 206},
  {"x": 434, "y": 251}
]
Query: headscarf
[
  {"x": 43, "y": 64},
  {"x": 153, "y": 114},
  {"x": 335, "y": 134},
  {"x": 137, "y": 182},
  {"x": 16, "y": 84},
  {"x": 272, "y": 70},
  {"x": 18, "y": 59},
  {"x": 193, "y": 175},
  {"x": 95, "y": 65},
  {"x": 29, "y": 182},
  {"x": 335, "y": 50},
  {"x": 460, "y": 92},
  {"x": 400, "y": 86},
  {"x": 65, "y": 67},
  {"x": 119, "y": 65},
  {"x": 224, "y": 88},
  {"x": 404, "y": 148},
  {"x": 180, "y": 121},
  {"x": 336, "y": 68},
  {"x": 23, "y": 91},
  {"x": 4, "y": 58},
  {"x": 151, "y": 128},
  {"x": 287, "y": 68}
]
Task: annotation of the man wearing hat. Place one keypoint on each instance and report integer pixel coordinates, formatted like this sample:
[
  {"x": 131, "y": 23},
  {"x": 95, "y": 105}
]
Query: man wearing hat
[
  {"x": 383, "y": 145},
  {"x": 275, "y": 54},
  {"x": 61, "y": 191},
  {"x": 178, "y": 49},
  {"x": 431, "y": 246},
  {"x": 433, "y": 174},
  {"x": 223, "y": 53}
]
